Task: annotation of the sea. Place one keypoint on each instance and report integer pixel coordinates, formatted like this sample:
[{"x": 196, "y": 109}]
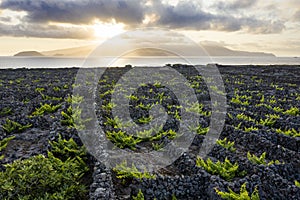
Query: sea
[{"x": 69, "y": 62}]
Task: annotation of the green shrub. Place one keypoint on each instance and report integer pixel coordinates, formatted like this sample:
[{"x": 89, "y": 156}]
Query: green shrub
[
  {"x": 144, "y": 107},
  {"x": 157, "y": 147},
  {"x": 278, "y": 109},
  {"x": 5, "y": 111},
  {"x": 123, "y": 171},
  {"x": 56, "y": 89},
  {"x": 292, "y": 111},
  {"x": 116, "y": 122},
  {"x": 236, "y": 100},
  {"x": 75, "y": 99},
  {"x": 67, "y": 117},
  {"x": 202, "y": 131},
  {"x": 171, "y": 134},
  {"x": 72, "y": 118},
  {"x": 226, "y": 144},
  {"x": 122, "y": 140},
  {"x": 297, "y": 184},
  {"x": 225, "y": 169},
  {"x": 261, "y": 160},
  {"x": 145, "y": 134},
  {"x": 198, "y": 108},
  {"x": 46, "y": 108},
  {"x": 272, "y": 116},
  {"x": 3, "y": 144},
  {"x": 174, "y": 197},
  {"x": 39, "y": 89},
  {"x": 42, "y": 178},
  {"x": 279, "y": 88},
  {"x": 267, "y": 122},
  {"x": 145, "y": 120},
  {"x": 250, "y": 129},
  {"x": 290, "y": 132},
  {"x": 108, "y": 107},
  {"x": 157, "y": 84},
  {"x": 64, "y": 149},
  {"x": 52, "y": 177},
  {"x": 199, "y": 130},
  {"x": 46, "y": 97},
  {"x": 140, "y": 196},
  {"x": 257, "y": 160},
  {"x": 132, "y": 97},
  {"x": 238, "y": 127},
  {"x": 244, "y": 117},
  {"x": 262, "y": 100},
  {"x": 243, "y": 195},
  {"x": 106, "y": 93},
  {"x": 11, "y": 126},
  {"x": 272, "y": 101}
]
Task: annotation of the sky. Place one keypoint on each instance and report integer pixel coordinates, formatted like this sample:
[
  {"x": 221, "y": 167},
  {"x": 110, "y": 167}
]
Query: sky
[{"x": 271, "y": 26}]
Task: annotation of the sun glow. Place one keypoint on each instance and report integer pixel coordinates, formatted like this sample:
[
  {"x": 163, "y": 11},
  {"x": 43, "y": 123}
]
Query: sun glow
[{"x": 107, "y": 30}]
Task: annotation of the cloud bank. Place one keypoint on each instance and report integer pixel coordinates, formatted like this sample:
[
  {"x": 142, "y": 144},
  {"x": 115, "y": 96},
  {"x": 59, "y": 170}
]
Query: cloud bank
[
  {"x": 186, "y": 15},
  {"x": 237, "y": 4},
  {"x": 78, "y": 12},
  {"x": 44, "y": 31}
]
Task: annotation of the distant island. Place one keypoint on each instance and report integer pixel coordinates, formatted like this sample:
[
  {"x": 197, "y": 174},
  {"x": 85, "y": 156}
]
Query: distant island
[
  {"x": 215, "y": 50},
  {"x": 84, "y": 51},
  {"x": 29, "y": 53}
]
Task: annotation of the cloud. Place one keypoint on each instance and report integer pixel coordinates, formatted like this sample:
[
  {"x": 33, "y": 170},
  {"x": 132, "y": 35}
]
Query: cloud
[
  {"x": 190, "y": 15},
  {"x": 183, "y": 15},
  {"x": 5, "y": 19},
  {"x": 255, "y": 26},
  {"x": 44, "y": 31},
  {"x": 296, "y": 16},
  {"x": 78, "y": 11},
  {"x": 187, "y": 15},
  {"x": 237, "y": 4}
]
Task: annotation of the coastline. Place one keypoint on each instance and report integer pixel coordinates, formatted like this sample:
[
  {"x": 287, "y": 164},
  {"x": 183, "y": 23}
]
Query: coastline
[{"x": 69, "y": 62}]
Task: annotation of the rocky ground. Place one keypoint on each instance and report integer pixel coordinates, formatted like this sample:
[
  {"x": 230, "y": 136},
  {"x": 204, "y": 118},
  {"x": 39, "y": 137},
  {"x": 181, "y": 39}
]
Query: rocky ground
[{"x": 262, "y": 116}]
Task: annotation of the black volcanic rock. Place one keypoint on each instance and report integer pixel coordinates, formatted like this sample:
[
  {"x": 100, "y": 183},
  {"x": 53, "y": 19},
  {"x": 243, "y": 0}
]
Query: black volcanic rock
[
  {"x": 19, "y": 91},
  {"x": 215, "y": 50}
]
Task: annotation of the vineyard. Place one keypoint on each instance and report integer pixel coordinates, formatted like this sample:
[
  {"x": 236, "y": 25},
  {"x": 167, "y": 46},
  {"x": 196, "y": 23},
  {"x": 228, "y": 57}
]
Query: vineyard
[{"x": 257, "y": 155}]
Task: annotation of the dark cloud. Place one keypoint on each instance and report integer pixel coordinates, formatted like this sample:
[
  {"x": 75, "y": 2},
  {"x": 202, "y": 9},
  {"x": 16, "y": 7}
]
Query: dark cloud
[
  {"x": 297, "y": 16},
  {"x": 44, "y": 31},
  {"x": 188, "y": 15},
  {"x": 237, "y": 4},
  {"x": 79, "y": 11},
  {"x": 255, "y": 26},
  {"x": 247, "y": 24},
  {"x": 5, "y": 19},
  {"x": 226, "y": 23},
  {"x": 183, "y": 15}
]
